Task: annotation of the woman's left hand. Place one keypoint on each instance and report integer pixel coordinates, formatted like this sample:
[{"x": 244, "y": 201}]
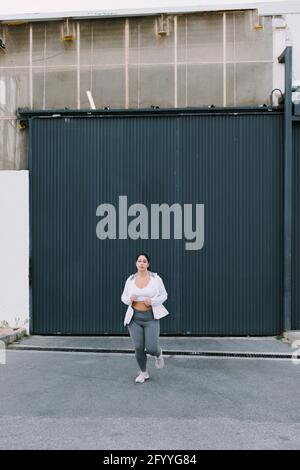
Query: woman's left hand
[{"x": 147, "y": 301}]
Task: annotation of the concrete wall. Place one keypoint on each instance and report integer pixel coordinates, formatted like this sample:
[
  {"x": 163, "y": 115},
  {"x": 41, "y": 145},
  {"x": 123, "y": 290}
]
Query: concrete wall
[
  {"x": 14, "y": 248},
  {"x": 225, "y": 59},
  {"x": 204, "y": 58}
]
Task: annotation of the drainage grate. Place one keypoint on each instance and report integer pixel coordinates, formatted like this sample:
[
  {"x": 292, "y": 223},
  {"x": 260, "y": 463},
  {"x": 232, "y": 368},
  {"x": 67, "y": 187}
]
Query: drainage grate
[{"x": 240, "y": 354}]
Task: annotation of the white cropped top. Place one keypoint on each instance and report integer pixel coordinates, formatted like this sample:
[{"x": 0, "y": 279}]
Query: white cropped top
[{"x": 143, "y": 292}]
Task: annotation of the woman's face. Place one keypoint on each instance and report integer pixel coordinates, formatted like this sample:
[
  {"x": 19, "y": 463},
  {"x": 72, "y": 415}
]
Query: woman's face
[{"x": 142, "y": 263}]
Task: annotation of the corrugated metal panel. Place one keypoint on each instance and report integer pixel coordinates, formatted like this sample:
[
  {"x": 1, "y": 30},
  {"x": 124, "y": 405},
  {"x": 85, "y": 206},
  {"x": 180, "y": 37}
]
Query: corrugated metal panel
[
  {"x": 230, "y": 163},
  {"x": 236, "y": 163},
  {"x": 296, "y": 231}
]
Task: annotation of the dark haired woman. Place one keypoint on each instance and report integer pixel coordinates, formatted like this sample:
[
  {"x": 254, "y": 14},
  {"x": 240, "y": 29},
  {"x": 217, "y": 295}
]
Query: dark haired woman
[{"x": 144, "y": 293}]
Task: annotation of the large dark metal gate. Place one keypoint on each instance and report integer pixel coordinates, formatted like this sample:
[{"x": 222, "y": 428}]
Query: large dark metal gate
[{"x": 230, "y": 161}]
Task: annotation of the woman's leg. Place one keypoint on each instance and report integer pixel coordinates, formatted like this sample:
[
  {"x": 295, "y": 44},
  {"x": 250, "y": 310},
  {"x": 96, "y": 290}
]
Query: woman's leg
[
  {"x": 136, "y": 331},
  {"x": 152, "y": 330}
]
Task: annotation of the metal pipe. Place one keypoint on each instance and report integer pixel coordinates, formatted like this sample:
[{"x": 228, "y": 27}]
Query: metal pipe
[{"x": 286, "y": 58}]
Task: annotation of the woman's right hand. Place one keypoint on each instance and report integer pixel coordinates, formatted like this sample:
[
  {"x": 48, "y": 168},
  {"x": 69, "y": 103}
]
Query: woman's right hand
[{"x": 133, "y": 298}]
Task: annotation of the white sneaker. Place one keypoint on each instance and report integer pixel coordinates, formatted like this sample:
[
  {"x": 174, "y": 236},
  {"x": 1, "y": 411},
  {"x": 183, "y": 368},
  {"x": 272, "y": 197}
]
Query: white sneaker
[
  {"x": 159, "y": 361},
  {"x": 142, "y": 377}
]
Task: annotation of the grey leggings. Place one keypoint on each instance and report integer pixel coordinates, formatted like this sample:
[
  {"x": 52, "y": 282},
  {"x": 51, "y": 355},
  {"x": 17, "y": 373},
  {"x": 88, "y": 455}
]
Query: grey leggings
[{"x": 144, "y": 331}]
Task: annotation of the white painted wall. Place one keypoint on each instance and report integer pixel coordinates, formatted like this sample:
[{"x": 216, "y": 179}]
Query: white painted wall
[
  {"x": 293, "y": 33},
  {"x": 14, "y": 248},
  {"x": 286, "y": 32}
]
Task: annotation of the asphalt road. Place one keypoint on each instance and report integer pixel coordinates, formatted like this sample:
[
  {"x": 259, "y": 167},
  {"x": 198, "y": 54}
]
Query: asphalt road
[{"x": 54, "y": 400}]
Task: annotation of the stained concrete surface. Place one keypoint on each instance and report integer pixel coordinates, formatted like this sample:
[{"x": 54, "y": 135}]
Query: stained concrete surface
[{"x": 55, "y": 400}]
